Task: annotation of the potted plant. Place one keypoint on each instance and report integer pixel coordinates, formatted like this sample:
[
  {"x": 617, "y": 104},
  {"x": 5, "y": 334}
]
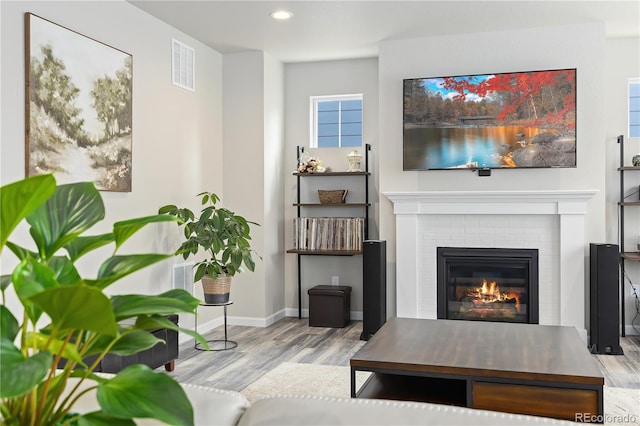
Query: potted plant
[
  {"x": 65, "y": 317},
  {"x": 224, "y": 236}
]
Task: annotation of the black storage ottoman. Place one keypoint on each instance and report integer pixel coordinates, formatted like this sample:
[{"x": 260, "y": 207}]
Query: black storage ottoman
[
  {"x": 162, "y": 353},
  {"x": 329, "y": 306}
]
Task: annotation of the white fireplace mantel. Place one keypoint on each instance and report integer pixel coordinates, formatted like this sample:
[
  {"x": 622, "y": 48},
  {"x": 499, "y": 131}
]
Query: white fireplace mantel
[
  {"x": 569, "y": 205},
  {"x": 491, "y": 202}
]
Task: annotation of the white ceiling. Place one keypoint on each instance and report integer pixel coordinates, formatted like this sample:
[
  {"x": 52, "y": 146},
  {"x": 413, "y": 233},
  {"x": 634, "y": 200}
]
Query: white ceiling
[{"x": 327, "y": 29}]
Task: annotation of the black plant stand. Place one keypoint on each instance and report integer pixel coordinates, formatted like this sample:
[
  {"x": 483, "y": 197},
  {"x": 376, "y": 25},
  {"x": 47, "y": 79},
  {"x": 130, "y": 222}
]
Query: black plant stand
[{"x": 218, "y": 344}]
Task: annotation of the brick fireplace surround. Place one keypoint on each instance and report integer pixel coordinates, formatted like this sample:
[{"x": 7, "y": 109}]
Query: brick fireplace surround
[{"x": 550, "y": 221}]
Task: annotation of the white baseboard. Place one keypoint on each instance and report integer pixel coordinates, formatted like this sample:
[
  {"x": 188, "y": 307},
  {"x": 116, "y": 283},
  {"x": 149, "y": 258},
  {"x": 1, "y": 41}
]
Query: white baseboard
[
  {"x": 257, "y": 322},
  {"x": 234, "y": 320},
  {"x": 630, "y": 331},
  {"x": 356, "y": 315},
  {"x": 293, "y": 312}
]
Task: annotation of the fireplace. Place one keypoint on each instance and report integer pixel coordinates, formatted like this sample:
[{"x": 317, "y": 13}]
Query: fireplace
[
  {"x": 552, "y": 221},
  {"x": 487, "y": 284}
]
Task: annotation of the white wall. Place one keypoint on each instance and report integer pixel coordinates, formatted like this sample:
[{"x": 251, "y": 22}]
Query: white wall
[
  {"x": 243, "y": 172},
  {"x": 253, "y": 133},
  {"x": 315, "y": 79},
  {"x": 579, "y": 46},
  {"x": 622, "y": 63},
  {"x": 177, "y": 134},
  {"x": 273, "y": 198}
]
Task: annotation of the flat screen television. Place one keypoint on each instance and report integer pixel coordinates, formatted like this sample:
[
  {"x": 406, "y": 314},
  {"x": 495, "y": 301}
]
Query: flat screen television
[{"x": 505, "y": 120}]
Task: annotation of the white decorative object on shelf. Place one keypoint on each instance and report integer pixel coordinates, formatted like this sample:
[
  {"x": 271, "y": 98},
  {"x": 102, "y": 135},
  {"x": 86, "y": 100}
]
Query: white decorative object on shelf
[{"x": 354, "y": 159}]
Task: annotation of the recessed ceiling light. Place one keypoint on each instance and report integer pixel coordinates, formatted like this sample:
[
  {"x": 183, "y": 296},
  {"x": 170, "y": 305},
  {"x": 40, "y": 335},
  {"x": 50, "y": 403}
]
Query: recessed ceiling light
[{"x": 281, "y": 15}]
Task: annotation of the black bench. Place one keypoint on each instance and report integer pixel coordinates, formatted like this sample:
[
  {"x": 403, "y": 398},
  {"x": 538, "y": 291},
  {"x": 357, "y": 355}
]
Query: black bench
[{"x": 162, "y": 353}]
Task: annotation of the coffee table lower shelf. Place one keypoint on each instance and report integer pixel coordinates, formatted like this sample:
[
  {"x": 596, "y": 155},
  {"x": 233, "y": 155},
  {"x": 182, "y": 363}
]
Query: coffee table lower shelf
[
  {"x": 561, "y": 402},
  {"x": 414, "y": 388}
]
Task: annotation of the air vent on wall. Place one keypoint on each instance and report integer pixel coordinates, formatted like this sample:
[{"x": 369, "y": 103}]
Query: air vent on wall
[
  {"x": 182, "y": 277},
  {"x": 183, "y": 65}
]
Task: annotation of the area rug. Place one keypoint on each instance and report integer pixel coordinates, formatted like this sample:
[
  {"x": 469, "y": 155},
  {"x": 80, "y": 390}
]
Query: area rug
[
  {"x": 290, "y": 378},
  {"x": 622, "y": 406}
]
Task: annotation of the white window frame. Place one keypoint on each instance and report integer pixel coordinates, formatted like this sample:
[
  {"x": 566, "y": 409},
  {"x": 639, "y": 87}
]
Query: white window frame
[
  {"x": 313, "y": 109},
  {"x": 632, "y": 82}
]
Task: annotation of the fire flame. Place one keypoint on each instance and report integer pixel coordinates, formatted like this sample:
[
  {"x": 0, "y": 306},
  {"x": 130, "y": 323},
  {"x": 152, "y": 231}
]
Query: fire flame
[{"x": 490, "y": 293}]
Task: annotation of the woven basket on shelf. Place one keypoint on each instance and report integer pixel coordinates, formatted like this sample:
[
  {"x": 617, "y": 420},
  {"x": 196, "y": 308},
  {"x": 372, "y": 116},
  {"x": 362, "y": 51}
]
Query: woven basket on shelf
[{"x": 334, "y": 196}]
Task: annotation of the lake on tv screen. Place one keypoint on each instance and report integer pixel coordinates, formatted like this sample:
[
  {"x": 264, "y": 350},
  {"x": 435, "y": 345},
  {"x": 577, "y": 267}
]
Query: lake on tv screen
[{"x": 464, "y": 147}]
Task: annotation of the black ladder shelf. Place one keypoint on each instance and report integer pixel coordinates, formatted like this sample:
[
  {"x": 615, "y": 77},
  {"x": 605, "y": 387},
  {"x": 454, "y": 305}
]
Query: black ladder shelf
[
  {"x": 633, "y": 256},
  {"x": 299, "y": 205}
]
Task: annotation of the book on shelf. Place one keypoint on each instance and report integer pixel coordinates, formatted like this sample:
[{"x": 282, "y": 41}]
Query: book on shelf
[{"x": 328, "y": 233}]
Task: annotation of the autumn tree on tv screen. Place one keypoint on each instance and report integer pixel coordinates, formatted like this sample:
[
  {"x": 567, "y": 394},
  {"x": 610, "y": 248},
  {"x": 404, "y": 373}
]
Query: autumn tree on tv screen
[{"x": 508, "y": 120}]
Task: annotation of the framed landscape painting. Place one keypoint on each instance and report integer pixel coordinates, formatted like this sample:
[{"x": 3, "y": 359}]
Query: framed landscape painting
[{"x": 78, "y": 107}]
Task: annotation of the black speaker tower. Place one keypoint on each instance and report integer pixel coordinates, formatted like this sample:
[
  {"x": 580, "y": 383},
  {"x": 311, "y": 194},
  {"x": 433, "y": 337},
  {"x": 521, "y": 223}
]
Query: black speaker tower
[
  {"x": 374, "y": 287},
  {"x": 604, "y": 300}
]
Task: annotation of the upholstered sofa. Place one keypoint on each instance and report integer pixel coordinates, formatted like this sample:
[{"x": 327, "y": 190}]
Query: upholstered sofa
[{"x": 220, "y": 407}]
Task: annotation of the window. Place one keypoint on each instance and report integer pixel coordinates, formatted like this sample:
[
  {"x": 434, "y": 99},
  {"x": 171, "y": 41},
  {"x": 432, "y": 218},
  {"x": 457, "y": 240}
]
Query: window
[
  {"x": 634, "y": 107},
  {"x": 336, "y": 121}
]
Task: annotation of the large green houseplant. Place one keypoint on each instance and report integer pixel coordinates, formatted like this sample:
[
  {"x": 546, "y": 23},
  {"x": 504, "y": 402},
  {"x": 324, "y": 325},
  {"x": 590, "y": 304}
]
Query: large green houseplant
[
  {"x": 65, "y": 317},
  {"x": 223, "y": 235}
]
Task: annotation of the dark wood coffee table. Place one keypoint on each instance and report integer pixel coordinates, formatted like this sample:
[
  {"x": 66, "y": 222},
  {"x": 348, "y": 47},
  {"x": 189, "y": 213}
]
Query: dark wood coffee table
[{"x": 516, "y": 368}]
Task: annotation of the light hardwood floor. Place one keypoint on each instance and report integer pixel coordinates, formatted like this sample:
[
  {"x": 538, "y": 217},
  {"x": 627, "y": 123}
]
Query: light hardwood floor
[
  {"x": 262, "y": 349},
  {"x": 622, "y": 370},
  {"x": 292, "y": 340}
]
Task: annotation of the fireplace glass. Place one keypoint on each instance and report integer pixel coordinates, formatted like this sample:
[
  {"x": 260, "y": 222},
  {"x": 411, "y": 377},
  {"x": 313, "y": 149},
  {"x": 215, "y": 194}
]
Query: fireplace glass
[{"x": 481, "y": 284}]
